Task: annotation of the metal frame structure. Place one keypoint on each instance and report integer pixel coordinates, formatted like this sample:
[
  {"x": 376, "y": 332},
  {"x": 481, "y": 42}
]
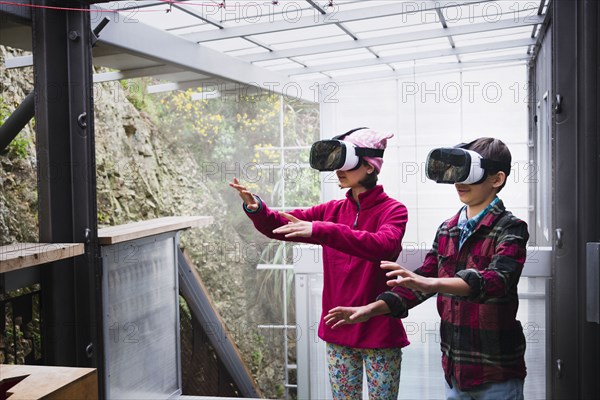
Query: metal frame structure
[
  {"x": 281, "y": 48},
  {"x": 216, "y": 47},
  {"x": 67, "y": 184},
  {"x": 575, "y": 349}
]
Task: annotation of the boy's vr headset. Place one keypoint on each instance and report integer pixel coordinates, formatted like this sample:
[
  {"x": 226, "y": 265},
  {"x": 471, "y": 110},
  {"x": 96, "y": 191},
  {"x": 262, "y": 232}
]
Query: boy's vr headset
[
  {"x": 336, "y": 154},
  {"x": 458, "y": 165}
]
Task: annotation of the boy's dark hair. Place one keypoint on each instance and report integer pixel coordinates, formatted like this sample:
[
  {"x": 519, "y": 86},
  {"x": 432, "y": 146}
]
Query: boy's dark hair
[
  {"x": 492, "y": 149},
  {"x": 371, "y": 179}
]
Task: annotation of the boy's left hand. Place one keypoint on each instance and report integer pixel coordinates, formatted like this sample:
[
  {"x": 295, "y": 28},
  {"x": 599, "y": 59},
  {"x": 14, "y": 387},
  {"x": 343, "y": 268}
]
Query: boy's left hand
[
  {"x": 408, "y": 279},
  {"x": 295, "y": 228}
]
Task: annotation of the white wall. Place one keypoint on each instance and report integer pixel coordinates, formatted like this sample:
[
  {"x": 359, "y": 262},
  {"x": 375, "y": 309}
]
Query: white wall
[{"x": 429, "y": 112}]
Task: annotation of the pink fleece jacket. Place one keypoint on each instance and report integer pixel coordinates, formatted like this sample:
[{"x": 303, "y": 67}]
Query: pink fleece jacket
[{"x": 355, "y": 240}]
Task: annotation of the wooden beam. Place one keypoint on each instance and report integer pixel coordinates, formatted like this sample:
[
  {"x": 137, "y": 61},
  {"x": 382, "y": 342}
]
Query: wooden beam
[
  {"x": 136, "y": 230},
  {"x": 23, "y": 255}
]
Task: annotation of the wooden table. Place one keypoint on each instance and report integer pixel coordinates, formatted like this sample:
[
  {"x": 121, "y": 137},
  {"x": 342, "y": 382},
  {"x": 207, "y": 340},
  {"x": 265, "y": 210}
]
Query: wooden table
[
  {"x": 22, "y": 255},
  {"x": 49, "y": 383}
]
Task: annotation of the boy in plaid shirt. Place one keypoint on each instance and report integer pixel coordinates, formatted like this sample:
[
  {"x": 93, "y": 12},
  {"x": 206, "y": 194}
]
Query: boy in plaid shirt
[{"x": 474, "y": 265}]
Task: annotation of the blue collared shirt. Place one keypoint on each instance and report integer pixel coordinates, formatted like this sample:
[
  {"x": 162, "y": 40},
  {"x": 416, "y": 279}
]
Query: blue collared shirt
[{"x": 467, "y": 226}]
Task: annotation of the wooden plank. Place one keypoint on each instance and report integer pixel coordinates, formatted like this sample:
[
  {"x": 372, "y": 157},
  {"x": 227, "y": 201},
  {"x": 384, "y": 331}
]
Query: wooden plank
[
  {"x": 48, "y": 382},
  {"x": 23, "y": 255},
  {"x": 136, "y": 230}
]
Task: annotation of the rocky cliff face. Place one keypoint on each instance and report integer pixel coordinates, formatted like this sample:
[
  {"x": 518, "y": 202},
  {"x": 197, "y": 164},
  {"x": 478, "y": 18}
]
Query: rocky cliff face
[
  {"x": 18, "y": 198},
  {"x": 143, "y": 173}
]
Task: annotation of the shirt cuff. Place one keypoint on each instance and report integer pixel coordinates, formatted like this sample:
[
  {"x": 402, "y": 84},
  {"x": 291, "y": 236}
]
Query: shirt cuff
[
  {"x": 260, "y": 206},
  {"x": 395, "y": 303},
  {"x": 475, "y": 280}
]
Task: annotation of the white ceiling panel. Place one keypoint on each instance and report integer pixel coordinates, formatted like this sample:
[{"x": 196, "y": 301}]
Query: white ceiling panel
[
  {"x": 299, "y": 36},
  {"x": 227, "y": 45},
  {"x": 491, "y": 36},
  {"x": 252, "y": 41},
  {"x": 487, "y": 54}
]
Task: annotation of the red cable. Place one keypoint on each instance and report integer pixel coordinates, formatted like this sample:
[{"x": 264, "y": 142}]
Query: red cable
[{"x": 169, "y": 2}]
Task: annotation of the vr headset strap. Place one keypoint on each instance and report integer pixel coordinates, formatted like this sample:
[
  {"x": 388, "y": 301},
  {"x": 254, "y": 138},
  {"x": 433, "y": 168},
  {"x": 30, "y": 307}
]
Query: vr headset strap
[
  {"x": 343, "y": 135},
  {"x": 492, "y": 165},
  {"x": 367, "y": 152},
  {"x": 486, "y": 163},
  {"x": 361, "y": 151}
]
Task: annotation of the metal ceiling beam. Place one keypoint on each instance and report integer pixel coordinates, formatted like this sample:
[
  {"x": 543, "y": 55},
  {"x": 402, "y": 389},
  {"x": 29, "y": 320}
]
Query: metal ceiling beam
[
  {"x": 445, "y": 26},
  {"x": 198, "y": 12},
  {"x": 214, "y": 88},
  {"x": 135, "y": 73},
  {"x": 429, "y": 69},
  {"x": 414, "y": 56},
  {"x": 17, "y": 11},
  {"x": 18, "y": 62},
  {"x": 317, "y": 19},
  {"x": 152, "y": 43},
  {"x": 193, "y": 11},
  {"x": 26, "y": 61},
  {"x": 207, "y": 85},
  {"x": 396, "y": 39},
  {"x": 15, "y": 35}
]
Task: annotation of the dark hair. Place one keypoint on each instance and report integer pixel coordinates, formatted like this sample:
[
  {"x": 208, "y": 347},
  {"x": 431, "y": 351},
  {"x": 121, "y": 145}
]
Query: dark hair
[
  {"x": 492, "y": 149},
  {"x": 370, "y": 180}
]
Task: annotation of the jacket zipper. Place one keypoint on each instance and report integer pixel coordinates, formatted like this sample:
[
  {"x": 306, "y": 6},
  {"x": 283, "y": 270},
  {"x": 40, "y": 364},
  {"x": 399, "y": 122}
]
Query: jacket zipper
[{"x": 356, "y": 219}]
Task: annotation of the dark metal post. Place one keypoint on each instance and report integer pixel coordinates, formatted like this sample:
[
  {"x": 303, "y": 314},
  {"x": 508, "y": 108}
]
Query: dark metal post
[
  {"x": 589, "y": 165},
  {"x": 62, "y": 55},
  {"x": 575, "y": 355}
]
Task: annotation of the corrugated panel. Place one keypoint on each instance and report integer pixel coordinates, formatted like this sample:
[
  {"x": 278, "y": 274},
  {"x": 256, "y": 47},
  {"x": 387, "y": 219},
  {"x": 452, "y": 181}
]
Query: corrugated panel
[{"x": 142, "y": 318}]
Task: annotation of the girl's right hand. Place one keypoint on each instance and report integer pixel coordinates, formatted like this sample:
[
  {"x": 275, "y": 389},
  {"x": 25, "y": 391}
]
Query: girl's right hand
[
  {"x": 339, "y": 316},
  {"x": 247, "y": 197}
]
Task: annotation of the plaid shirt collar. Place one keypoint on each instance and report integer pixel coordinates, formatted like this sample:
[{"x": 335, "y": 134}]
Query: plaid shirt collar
[{"x": 467, "y": 226}]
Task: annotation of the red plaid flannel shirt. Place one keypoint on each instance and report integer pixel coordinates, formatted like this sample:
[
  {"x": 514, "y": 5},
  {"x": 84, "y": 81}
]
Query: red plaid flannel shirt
[{"x": 481, "y": 339}]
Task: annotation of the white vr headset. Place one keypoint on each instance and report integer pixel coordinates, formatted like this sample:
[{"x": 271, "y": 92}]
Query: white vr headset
[
  {"x": 337, "y": 154},
  {"x": 458, "y": 165}
]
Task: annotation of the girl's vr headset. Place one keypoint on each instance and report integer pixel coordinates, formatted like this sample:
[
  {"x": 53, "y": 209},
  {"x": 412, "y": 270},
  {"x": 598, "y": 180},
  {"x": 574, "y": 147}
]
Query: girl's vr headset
[
  {"x": 458, "y": 165},
  {"x": 336, "y": 154}
]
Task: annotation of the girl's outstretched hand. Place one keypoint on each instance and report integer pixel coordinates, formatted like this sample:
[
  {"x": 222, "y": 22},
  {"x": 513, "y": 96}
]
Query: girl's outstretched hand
[
  {"x": 246, "y": 196},
  {"x": 347, "y": 315},
  {"x": 295, "y": 228},
  {"x": 408, "y": 279}
]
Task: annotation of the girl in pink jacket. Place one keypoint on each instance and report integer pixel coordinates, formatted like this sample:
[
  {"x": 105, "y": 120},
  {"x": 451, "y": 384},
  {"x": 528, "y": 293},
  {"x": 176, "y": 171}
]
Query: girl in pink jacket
[{"x": 356, "y": 233}]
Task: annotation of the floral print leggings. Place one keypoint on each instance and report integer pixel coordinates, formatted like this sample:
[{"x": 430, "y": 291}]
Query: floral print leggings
[{"x": 346, "y": 372}]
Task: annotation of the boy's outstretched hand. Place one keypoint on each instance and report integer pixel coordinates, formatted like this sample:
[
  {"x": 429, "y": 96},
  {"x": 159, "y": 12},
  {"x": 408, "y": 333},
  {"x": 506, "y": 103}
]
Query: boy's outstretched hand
[
  {"x": 246, "y": 196},
  {"x": 409, "y": 279}
]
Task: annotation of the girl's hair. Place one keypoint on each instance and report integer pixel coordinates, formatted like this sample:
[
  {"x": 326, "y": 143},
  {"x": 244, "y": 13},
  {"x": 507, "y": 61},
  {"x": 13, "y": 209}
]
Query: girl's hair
[
  {"x": 370, "y": 180},
  {"x": 492, "y": 149}
]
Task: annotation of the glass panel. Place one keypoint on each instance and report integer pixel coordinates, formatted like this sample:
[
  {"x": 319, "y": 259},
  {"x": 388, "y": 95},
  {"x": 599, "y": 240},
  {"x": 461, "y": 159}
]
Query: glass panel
[
  {"x": 412, "y": 47},
  {"x": 422, "y": 328},
  {"x": 493, "y": 36},
  {"x": 425, "y": 379},
  {"x": 225, "y": 45},
  {"x": 299, "y": 36},
  {"x": 532, "y": 314},
  {"x": 338, "y": 56},
  {"x": 301, "y": 126},
  {"x": 313, "y": 42}
]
